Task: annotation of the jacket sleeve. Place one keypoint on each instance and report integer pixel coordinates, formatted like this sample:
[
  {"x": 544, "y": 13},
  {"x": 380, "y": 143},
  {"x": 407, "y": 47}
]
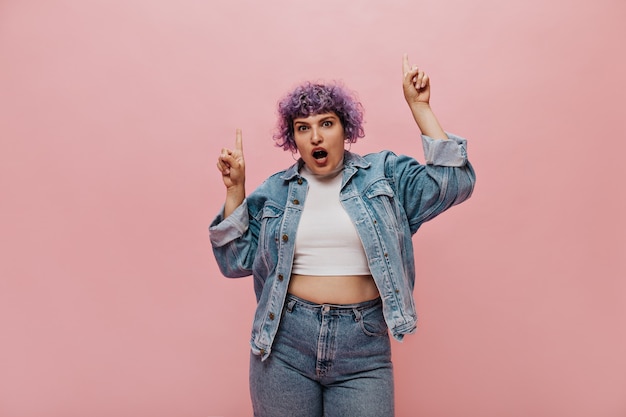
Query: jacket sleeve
[
  {"x": 447, "y": 179},
  {"x": 234, "y": 240}
]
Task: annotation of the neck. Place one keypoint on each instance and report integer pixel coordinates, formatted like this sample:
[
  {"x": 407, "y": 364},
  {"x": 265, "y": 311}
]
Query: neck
[{"x": 332, "y": 174}]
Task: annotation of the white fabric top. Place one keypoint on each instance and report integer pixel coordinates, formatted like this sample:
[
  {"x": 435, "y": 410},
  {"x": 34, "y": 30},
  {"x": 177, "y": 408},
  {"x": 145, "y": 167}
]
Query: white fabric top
[{"x": 327, "y": 242}]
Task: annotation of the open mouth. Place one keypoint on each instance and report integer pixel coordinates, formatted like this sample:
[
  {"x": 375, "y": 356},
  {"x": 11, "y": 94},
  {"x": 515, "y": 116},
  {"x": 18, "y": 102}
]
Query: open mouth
[{"x": 319, "y": 154}]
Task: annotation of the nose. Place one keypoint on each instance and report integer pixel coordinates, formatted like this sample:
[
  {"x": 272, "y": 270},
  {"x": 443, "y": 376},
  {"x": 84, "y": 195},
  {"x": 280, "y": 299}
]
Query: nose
[{"x": 316, "y": 137}]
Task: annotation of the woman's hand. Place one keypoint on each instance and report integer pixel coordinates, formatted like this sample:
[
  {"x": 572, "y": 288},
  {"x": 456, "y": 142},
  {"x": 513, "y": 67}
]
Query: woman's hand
[
  {"x": 233, "y": 168},
  {"x": 416, "y": 84},
  {"x": 231, "y": 164}
]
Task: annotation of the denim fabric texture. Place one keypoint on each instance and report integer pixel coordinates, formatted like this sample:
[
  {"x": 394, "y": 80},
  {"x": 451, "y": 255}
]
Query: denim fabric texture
[
  {"x": 331, "y": 361},
  {"x": 387, "y": 196}
]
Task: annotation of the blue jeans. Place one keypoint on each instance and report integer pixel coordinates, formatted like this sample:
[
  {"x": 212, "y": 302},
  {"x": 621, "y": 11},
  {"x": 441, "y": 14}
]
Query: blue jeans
[{"x": 326, "y": 360}]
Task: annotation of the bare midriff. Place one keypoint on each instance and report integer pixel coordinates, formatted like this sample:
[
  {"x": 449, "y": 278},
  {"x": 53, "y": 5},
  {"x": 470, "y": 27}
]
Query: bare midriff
[{"x": 342, "y": 289}]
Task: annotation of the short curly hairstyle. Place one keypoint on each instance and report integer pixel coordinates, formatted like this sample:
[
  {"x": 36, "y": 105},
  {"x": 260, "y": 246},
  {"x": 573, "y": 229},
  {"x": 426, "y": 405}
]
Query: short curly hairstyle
[{"x": 316, "y": 98}]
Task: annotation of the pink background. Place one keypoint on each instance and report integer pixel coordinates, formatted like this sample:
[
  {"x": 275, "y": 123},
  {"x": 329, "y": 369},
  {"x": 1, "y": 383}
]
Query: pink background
[{"x": 113, "y": 112}]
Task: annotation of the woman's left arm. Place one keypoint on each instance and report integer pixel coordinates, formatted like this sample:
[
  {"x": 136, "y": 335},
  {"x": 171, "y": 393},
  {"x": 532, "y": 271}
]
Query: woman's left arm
[
  {"x": 447, "y": 178},
  {"x": 416, "y": 87}
]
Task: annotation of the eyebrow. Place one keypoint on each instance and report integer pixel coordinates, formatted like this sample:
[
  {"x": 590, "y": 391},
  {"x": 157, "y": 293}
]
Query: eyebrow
[{"x": 323, "y": 119}]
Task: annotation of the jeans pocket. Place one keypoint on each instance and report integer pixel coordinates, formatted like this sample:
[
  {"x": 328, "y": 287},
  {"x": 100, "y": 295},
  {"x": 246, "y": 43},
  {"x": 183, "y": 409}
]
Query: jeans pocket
[{"x": 372, "y": 322}]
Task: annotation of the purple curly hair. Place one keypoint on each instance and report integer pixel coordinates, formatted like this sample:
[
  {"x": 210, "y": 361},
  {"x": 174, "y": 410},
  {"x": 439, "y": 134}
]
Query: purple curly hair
[{"x": 315, "y": 98}]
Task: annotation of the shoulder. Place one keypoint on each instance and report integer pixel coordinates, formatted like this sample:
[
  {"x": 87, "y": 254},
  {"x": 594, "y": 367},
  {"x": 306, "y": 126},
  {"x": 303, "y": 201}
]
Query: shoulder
[
  {"x": 387, "y": 160},
  {"x": 387, "y": 164},
  {"x": 380, "y": 156}
]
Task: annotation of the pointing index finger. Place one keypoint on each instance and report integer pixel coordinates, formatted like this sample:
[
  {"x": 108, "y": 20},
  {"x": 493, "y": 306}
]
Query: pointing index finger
[
  {"x": 238, "y": 140},
  {"x": 405, "y": 64}
]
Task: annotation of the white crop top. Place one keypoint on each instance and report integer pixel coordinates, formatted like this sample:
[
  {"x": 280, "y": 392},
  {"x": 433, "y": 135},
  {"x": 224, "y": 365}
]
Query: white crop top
[{"x": 327, "y": 242}]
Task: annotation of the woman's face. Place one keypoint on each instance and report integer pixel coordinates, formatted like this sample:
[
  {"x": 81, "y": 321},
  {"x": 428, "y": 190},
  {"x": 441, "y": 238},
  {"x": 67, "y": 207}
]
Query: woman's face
[{"x": 319, "y": 139}]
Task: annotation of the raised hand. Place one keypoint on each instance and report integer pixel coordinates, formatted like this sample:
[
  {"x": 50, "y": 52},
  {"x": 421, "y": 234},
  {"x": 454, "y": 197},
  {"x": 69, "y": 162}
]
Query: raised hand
[
  {"x": 416, "y": 86},
  {"x": 231, "y": 164},
  {"x": 415, "y": 83},
  {"x": 233, "y": 168}
]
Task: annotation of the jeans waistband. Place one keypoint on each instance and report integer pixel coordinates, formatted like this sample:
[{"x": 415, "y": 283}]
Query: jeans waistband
[{"x": 292, "y": 301}]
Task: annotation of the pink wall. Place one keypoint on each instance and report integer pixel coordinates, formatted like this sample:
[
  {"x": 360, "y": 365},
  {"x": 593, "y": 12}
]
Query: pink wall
[{"x": 113, "y": 112}]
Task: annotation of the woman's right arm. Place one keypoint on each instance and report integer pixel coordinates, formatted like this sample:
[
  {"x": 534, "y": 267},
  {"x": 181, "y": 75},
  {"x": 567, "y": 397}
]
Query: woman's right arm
[
  {"x": 232, "y": 166},
  {"x": 232, "y": 240}
]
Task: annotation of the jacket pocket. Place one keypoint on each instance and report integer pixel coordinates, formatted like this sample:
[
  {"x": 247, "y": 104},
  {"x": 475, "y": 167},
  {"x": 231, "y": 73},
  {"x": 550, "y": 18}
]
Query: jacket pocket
[
  {"x": 270, "y": 219},
  {"x": 384, "y": 206}
]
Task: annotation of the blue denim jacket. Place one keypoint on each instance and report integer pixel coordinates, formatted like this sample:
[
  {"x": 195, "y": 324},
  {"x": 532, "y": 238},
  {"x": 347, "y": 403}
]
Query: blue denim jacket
[{"x": 387, "y": 197}]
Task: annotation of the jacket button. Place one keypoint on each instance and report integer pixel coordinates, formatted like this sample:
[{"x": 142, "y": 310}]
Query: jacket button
[
  {"x": 296, "y": 201},
  {"x": 285, "y": 238},
  {"x": 299, "y": 181},
  {"x": 386, "y": 255},
  {"x": 271, "y": 316},
  {"x": 262, "y": 351},
  {"x": 280, "y": 277}
]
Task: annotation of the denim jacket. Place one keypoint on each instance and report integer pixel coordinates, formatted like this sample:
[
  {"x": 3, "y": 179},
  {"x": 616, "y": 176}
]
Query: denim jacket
[{"x": 387, "y": 197}]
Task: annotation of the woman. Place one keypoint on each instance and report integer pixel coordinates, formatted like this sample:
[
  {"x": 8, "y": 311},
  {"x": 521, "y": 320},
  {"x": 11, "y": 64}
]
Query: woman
[{"x": 328, "y": 242}]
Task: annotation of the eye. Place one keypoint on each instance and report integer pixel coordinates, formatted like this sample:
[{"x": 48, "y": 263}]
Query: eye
[
  {"x": 301, "y": 128},
  {"x": 327, "y": 123}
]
